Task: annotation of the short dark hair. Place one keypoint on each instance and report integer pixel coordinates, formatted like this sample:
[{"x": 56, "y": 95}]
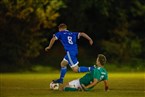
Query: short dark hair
[
  {"x": 62, "y": 26},
  {"x": 102, "y": 59}
]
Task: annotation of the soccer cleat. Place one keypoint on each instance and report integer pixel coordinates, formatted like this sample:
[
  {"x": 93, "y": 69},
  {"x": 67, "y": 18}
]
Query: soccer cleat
[{"x": 58, "y": 81}]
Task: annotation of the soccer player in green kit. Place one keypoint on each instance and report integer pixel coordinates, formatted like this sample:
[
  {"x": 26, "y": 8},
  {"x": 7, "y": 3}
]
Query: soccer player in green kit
[{"x": 88, "y": 81}]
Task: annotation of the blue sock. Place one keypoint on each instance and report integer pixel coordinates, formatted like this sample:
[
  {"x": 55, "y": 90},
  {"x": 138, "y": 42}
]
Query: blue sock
[
  {"x": 63, "y": 72},
  {"x": 83, "y": 69}
]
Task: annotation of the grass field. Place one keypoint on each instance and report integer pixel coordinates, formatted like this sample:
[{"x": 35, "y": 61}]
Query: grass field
[{"x": 37, "y": 85}]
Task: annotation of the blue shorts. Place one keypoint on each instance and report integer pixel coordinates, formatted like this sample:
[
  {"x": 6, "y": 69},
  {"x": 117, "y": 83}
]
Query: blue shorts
[{"x": 71, "y": 58}]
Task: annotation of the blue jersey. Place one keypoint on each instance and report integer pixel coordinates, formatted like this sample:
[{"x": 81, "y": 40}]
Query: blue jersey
[{"x": 68, "y": 39}]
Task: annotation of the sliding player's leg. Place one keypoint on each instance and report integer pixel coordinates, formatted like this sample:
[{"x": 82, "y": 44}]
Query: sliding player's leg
[{"x": 73, "y": 86}]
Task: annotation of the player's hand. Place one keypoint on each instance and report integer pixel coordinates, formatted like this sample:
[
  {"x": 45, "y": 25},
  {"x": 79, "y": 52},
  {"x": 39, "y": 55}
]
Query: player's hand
[
  {"x": 47, "y": 48},
  {"x": 83, "y": 87},
  {"x": 91, "y": 42}
]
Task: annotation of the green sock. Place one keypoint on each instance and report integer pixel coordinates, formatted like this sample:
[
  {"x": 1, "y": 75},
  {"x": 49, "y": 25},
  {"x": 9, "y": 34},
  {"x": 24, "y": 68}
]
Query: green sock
[{"x": 70, "y": 89}]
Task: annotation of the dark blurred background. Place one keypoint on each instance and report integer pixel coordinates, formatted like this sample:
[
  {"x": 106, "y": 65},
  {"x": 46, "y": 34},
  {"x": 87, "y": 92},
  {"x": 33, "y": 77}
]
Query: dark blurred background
[{"x": 26, "y": 27}]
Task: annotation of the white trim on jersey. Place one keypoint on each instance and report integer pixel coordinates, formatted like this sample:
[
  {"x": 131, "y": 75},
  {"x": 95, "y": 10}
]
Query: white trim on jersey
[
  {"x": 56, "y": 37},
  {"x": 79, "y": 36}
]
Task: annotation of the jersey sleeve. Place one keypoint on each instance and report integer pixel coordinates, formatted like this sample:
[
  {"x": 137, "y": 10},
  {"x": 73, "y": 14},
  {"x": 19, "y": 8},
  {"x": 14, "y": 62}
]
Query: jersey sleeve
[
  {"x": 77, "y": 34},
  {"x": 96, "y": 75},
  {"x": 57, "y": 35}
]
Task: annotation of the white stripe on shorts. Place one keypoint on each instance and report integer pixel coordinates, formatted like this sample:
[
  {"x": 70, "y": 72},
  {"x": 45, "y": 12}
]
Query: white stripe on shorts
[{"x": 71, "y": 62}]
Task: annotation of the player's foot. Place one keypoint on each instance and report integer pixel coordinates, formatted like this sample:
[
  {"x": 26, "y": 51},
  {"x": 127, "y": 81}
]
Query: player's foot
[{"x": 58, "y": 81}]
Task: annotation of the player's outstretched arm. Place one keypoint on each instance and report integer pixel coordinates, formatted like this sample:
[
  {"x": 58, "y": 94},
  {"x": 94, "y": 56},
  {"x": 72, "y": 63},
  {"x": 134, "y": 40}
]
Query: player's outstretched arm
[
  {"x": 87, "y": 37},
  {"x": 51, "y": 43},
  {"x": 106, "y": 85},
  {"x": 95, "y": 81}
]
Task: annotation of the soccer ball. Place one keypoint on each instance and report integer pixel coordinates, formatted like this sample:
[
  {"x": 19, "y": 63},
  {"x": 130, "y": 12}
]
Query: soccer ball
[{"x": 54, "y": 86}]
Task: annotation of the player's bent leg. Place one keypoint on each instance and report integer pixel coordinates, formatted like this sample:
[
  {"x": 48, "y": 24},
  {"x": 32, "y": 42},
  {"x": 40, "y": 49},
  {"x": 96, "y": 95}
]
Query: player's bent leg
[
  {"x": 82, "y": 68},
  {"x": 73, "y": 63},
  {"x": 86, "y": 69},
  {"x": 76, "y": 68}
]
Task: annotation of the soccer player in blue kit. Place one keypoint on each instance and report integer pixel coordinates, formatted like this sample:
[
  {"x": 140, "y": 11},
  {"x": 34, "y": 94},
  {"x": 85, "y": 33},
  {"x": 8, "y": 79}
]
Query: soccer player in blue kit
[{"x": 69, "y": 41}]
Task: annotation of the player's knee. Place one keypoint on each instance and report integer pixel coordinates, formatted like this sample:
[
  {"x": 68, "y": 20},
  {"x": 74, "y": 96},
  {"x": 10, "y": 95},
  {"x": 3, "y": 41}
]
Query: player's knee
[
  {"x": 75, "y": 70},
  {"x": 63, "y": 64}
]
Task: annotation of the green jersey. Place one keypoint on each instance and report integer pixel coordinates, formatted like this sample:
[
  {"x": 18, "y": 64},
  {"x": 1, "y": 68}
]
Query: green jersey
[{"x": 98, "y": 73}]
